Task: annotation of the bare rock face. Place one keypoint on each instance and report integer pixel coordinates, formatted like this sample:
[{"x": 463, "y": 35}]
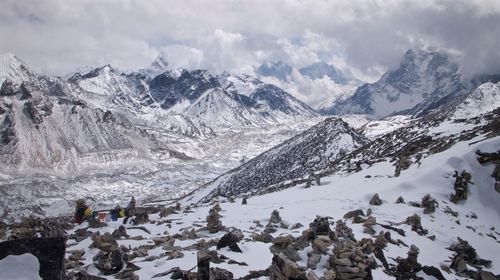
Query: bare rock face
[
  {"x": 49, "y": 252},
  {"x": 375, "y": 200}
]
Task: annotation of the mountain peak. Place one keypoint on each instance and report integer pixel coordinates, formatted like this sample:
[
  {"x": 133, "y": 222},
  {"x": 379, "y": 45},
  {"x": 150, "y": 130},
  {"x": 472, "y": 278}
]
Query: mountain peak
[
  {"x": 277, "y": 69},
  {"x": 320, "y": 69},
  {"x": 160, "y": 63},
  {"x": 11, "y": 67}
]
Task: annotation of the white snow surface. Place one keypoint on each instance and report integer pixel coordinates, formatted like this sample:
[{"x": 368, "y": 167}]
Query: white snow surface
[
  {"x": 22, "y": 267},
  {"x": 13, "y": 68},
  {"x": 483, "y": 99},
  {"x": 337, "y": 195}
]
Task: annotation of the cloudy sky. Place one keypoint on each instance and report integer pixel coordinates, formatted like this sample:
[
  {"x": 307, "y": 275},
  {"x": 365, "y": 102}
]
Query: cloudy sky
[{"x": 58, "y": 36}]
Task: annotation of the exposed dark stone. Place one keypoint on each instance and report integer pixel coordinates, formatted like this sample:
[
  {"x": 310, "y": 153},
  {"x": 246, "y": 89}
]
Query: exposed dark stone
[
  {"x": 229, "y": 240},
  {"x": 375, "y": 200},
  {"x": 320, "y": 226},
  {"x": 461, "y": 186},
  {"x": 433, "y": 271},
  {"x": 49, "y": 252},
  {"x": 220, "y": 274},
  {"x": 429, "y": 204},
  {"x": 354, "y": 213},
  {"x": 400, "y": 200},
  {"x": 416, "y": 224},
  {"x": 83, "y": 275},
  {"x": 204, "y": 258}
]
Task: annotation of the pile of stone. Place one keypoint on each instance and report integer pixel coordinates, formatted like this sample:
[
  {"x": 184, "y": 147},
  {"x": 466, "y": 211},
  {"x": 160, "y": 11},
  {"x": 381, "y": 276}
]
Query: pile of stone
[
  {"x": 349, "y": 262},
  {"x": 429, "y": 204},
  {"x": 416, "y": 224},
  {"x": 214, "y": 224},
  {"x": 465, "y": 255},
  {"x": 375, "y": 200},
  {"x": 461, "y": 186},
  {"x": 111, "y": 258},
  {"x": 275, "y": 222},
  {"x": 408, "y": 267}
]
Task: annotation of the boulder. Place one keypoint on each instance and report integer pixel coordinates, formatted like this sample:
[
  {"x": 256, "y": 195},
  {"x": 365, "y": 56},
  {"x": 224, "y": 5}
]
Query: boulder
[
  {"x": 229, "y": 240},
  {"x": 375, "y": 200}
]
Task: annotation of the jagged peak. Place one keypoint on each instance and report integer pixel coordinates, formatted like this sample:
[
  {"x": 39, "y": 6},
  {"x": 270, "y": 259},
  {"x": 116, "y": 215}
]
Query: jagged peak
[
  {"x": 160, "y": 63},
  {"x": 13, "y": 68}
]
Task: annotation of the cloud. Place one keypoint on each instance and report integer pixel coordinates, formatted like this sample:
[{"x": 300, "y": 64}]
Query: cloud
[{"x": 365, "y": 37}]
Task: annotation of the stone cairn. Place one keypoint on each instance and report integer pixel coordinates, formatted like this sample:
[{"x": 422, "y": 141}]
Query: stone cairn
[
  {"x": 375, "y": 200},
  {"x": 465, "y": 255},
  {"x": 461, "y": 186},
  {"x": 429, "y": 204},
  {"x": 214, "y": 224}
]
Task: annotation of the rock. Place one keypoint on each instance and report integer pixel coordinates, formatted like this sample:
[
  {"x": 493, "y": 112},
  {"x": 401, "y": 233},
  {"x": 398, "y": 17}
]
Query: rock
[
  {"x": 283, "y": 240},
  {"x": 415, "y": 222},
  {"x": 486, "y": 275},
  {"x": 321, "y": 244},
  {"x": 275, "y": 217},
  {"x": 407, "y": 268},
  {"x": 220, "y": 274},
  {"x": 203, "y": 258},
  {"x": 175, "y": 255},
  {"x": 214, "y": 224},
  {"x": 297, "y": 226},
  {"x": 244, "y": 201},
  {"x": 375, "y": 200},
  {"x": 461, "y": 186},
  {"x": 354, "y": 213},
  {"x": 283, "y": 268},
  {"x": 120, "y": 232},
  {"x": 105, "y": 242},
  {"x": 110, "y": 262},
  {"x": 329, "y": 275},
  {"x": 465, "y": 254},
  {"x": 320, "y": 226},
  {"x": 263, "y": 237},
  {"x": 312, "y": 276},
  {"x": 313, "y": 260},
  {"x": 83, "y": 275},
  {"x": 429, "y": 204},
  {"x": 433, "y": 271},
  {"x": 229, "y": 240},
  {"x": 49, "y": 252},
  {"x": 400, "y": 200}
]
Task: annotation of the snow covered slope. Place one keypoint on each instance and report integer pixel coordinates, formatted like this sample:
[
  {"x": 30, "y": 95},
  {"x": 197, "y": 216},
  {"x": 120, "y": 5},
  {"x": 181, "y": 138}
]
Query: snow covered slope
[
  {"x": 483, "y": 99},
  {"x": 13, "y": 69},
  {"x": 420, "y": 83},
  {"x": 321, "y": 69},
  {"x": 311, "y": 150}
]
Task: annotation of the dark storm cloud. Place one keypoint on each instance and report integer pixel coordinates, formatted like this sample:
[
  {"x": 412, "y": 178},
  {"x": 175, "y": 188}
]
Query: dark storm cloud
[{"x": 56, "y": 36}]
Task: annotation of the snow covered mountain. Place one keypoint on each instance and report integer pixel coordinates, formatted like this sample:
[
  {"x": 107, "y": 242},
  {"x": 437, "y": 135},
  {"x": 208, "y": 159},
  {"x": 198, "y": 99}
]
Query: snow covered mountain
[
  {"x": 278, "y": 69},
  {"x": 321, "y": 69},
  {"x": 196, "y": 95},
  {"x": 309, "y": 151},
  {"x": 484, "y": 98},
  {"x": 14, "y": 69},
  {"x": 45, "y": 127},
  {"x": 424, "y": 80}
]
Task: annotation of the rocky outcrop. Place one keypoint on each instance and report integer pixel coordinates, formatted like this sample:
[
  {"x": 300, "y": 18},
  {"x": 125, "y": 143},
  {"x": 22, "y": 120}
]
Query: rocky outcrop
[
  {"x": 461, "y": 186},
  {"x": 49, "y": 252}
]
